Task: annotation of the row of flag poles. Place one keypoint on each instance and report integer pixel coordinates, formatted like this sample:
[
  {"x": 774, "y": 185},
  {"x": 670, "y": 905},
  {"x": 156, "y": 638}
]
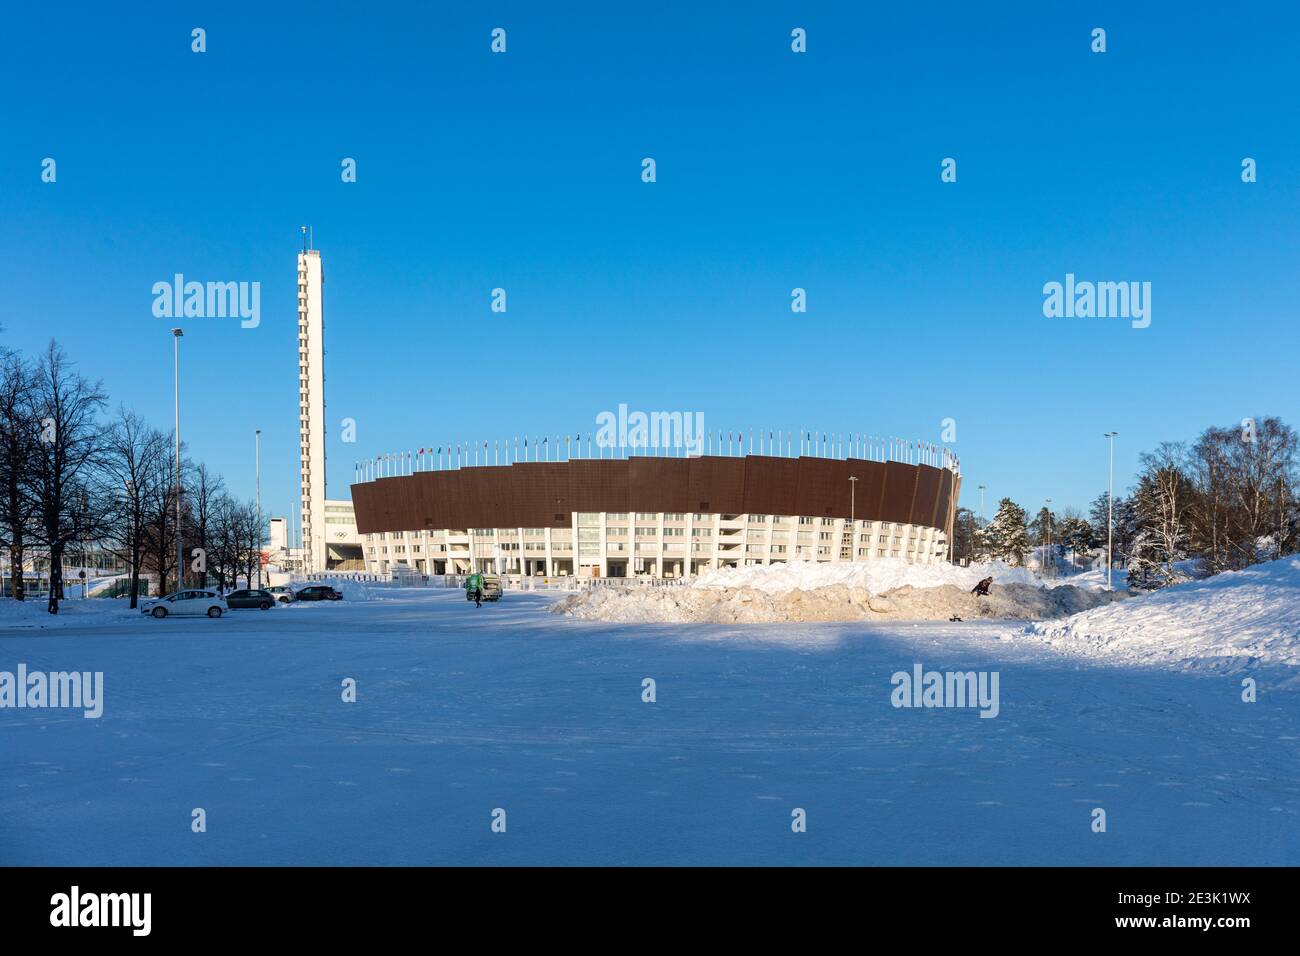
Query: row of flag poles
[{"x": 570, "y": 447}]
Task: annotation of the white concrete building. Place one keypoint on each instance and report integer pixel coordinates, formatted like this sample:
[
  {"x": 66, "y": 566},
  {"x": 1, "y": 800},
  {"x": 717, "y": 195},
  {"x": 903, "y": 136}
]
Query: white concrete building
[{"x": 651, "y": 544}]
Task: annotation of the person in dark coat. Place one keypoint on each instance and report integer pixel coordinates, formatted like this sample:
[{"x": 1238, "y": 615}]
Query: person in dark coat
[
  {"x": 982, "y": 588},
  {"x": 478, "y": 597}
]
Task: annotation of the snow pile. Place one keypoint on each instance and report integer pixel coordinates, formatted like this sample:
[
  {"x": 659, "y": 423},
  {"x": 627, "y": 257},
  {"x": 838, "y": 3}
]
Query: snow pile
[
  {"x": 805, "y": 591},
  {"x": 73, "y": 612},
  {"x": 351, "y": 589},
  {"x": 1228, "y": 622},
  {"x": 877, "y": 576}
]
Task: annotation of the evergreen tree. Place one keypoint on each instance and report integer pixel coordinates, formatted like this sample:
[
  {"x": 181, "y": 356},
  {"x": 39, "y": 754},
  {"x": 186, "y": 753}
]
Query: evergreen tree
[
  {"x": 1076, "y": 535},
  {"x": 1045, "y": 527},
  {"x": 1126, "y": 524},
  {"x": 1006, "y": 537}
]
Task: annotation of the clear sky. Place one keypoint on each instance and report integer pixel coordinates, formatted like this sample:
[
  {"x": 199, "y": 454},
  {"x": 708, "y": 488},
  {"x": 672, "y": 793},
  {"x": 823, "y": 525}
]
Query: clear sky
[{"x": 775, "y": 170}]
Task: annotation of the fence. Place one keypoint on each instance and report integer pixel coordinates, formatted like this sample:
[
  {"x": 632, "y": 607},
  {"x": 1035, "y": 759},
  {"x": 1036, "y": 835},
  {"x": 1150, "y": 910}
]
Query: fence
[{"x": 509, "y": 582}]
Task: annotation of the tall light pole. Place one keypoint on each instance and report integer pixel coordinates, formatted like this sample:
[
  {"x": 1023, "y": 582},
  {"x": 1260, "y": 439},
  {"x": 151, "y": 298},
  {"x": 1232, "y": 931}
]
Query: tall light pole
[
  {"x": 176, "y": 369},
  {"x": 853, "y": 517},
  {"x": 1110, "y": 509},
  {"x": 981, "y": 491},
  {"x": 257, "y": 486}
]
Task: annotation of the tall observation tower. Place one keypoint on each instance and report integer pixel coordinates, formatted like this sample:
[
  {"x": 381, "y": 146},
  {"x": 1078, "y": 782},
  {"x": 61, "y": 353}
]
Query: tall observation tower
[
  {"x": 311, "y": 404},
  {"x": 329, "y": 528}
]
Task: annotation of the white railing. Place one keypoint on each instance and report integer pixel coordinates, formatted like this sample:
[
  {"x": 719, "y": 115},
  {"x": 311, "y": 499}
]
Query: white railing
[{"x": 765, "y": 442}]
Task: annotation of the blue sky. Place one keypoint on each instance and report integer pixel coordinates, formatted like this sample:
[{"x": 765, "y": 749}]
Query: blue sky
[{"x": 775, "y": 170}]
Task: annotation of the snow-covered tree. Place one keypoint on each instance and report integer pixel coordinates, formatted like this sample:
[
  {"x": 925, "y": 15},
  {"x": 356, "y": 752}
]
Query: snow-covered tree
[
  {"x": 1126, "y": 524},
  {"x": 1076, "y": 535},
  {"x": 1006, "y": 537},
  {"x": 1163, "y": 501}
]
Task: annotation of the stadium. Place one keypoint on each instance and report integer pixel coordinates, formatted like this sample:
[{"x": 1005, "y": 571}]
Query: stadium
[{"x": 653, "y": 516}]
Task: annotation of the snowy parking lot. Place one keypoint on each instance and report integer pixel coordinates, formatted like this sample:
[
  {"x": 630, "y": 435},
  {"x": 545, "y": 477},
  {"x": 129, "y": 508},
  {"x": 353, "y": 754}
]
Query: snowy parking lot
[{"x": 461, "y": 712}]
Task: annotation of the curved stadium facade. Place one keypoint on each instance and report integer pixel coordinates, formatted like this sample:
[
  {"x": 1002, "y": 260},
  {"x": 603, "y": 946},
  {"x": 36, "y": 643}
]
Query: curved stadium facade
[{"x": 654, "y": 516}]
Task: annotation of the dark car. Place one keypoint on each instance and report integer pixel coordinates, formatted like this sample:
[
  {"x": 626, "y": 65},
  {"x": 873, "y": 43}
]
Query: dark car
[
  {"x": 318, "y": 592},
  {"x": 250, "y": 597}
]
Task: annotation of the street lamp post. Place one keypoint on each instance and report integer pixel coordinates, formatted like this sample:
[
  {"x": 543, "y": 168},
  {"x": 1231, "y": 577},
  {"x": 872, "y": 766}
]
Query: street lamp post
[
  {"x": 176, "y": 369},
  {"x": 981, "y": 491},
  {"x": 257, "y": 486},
  {"x": 853, "y": 517},
  {"x": 1110, "y": 510}
]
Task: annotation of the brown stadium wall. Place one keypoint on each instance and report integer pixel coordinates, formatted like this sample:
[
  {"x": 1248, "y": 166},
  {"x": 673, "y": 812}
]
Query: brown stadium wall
[{"x": 545, "y": 494}]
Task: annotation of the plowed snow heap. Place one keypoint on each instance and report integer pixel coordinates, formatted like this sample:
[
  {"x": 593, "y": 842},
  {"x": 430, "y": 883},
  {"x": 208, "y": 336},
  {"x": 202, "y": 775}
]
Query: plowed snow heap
[{"x": 806, "y": 591}]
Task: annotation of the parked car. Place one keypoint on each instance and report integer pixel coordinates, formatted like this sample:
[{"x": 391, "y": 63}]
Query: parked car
[
  {"x": 317, "y": 592},
  {"x": 281, "y": 593},
  {"x": 186, "y": 604},
  {"x": 251, "y": 597}
]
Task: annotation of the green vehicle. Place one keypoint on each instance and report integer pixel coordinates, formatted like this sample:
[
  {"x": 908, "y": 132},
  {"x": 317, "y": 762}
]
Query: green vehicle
[{"x": 488, "y": 584}]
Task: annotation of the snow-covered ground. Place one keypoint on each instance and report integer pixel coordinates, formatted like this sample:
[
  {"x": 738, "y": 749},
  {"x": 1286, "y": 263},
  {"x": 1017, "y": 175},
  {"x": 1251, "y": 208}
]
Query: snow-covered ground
[
  {"x": 1231, "y": 622},
  {"x": 461, "y": 711}
]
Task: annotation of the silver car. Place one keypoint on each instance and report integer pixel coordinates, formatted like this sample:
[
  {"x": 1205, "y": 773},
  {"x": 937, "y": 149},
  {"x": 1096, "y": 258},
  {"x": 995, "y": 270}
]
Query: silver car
[{"x": 194, "y": 603}]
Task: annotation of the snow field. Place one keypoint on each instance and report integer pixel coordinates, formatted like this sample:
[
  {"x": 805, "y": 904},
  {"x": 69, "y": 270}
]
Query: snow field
[{"x": 461, "y": 711}]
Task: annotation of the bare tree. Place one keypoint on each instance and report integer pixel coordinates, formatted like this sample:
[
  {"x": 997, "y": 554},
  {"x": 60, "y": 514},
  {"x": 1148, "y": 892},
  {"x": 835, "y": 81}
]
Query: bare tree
[
  {"x": 134, "y": 451},
  {"x": 223, "y": 551},
  {"x": 1208, "y": 469},
  {"x": 1262, "y": 467},
  {"x": 64, "y": 460},
  {"x": 1164, "y": 501},
  {"x": 159, "y": 506},
  {"x": 203, "y": 491},
  {"x": 18, "y": 434},
  {"x": 251, "y": 539}
]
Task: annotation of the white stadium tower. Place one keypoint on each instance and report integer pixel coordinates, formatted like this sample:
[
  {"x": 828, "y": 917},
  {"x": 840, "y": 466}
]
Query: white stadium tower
[{"x": 329, "y": 537}]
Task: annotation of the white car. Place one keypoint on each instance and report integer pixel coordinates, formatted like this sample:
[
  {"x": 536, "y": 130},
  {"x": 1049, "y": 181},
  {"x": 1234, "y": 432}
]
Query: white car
[{"x": 186, "y": 603}]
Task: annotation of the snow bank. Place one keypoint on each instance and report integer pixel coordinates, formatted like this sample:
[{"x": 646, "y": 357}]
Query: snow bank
[
  {"x": 73, "y": 612},
  {"x": 1228, "y": 622},
  {"x": 834, "y": 602},
  {"x": 350, "y": 589},
  {"x": 876, "y": 577},
  {"x": 806, "y": 591}
]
